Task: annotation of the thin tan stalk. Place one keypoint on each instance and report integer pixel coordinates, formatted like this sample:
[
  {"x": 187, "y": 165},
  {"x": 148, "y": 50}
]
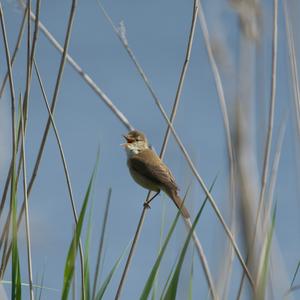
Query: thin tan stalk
[
  {"x": 124, "y": 42},
  {"x": 24, "y": 169},
  {"x": 207, "y": 193},
  {"x": 55, "y": 94},
  {"x": 83, "y": 74},
  {"x": 223, "y": 106},
  {"x": 250, "y": 255},
  {"x": 173, "y": 114},
  {"x": 12, "y": 94},
  {"x": 42, "y": 145},
  {"x": 218, "y": 83},
  {"x": 203, "y": 259},
  {"x": 274, "y": 171},
  {"x": 101, "y": 243},
  {"x": 19, "y": 39},
  {"x": 28, "y": 71},
  {"x": 293, "y": 65},
  {"x": 271, "y": 114},
  {"x": 30, "y": 55},
  {"x": 191, "y": 165},
  {"x": 28, "y": 80},
  {"x": 63, "y": 159},
  {"x": 131, "y": 251}
]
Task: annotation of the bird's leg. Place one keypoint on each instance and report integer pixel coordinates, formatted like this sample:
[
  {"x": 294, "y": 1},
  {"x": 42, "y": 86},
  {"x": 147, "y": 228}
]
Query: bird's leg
[{"x": 147, "y": 203}]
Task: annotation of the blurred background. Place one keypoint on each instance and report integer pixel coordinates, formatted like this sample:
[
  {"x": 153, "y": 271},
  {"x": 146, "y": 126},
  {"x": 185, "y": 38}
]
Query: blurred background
[{"x": 241, "y": 37}]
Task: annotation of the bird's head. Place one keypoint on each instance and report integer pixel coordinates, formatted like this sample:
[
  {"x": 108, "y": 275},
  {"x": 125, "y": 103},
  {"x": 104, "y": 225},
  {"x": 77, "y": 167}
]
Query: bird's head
[{"x": 136, "y": 142}]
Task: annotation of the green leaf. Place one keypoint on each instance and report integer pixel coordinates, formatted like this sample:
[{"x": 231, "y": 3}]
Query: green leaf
[
  {"x": 161, "y": 237},
  {"x": 73, "y": 249},
  {"x": 87, "y": 285},
  {"x": 168, "y": 280},
  {"x": 110, "y": 275},
  {"x": 151, "y": 278},
  {"x": 16, "y": 291},
  {"x": 190, "y": 296},
  {"x": 172, "y": 289},
  {"x": 295, "y": 274},
  {"x": 264, "y": 267}
]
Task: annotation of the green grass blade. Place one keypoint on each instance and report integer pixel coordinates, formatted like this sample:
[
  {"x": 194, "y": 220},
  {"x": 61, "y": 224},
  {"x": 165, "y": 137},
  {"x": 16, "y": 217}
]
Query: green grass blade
[
  {"x": 190, "y": 296},
  {"x": 87, "y": 285},
  {"x": 101, "y": 244},
  {"x": 150, "y": 281},
  {"x": 161, "y": 233},
  {"x": 36, "y": 286},
  {"x": 110, "y": 275},
  {"x": 168, "y": 280},
  {"x": 265, "y": 260},
  {"x": 16, "y": 291},
  {"x": 172, "y": 289},
  {"x": 73, "y": 249},
  {"x": 41, "y": 284},
  {"x": 295, "y": 274}
]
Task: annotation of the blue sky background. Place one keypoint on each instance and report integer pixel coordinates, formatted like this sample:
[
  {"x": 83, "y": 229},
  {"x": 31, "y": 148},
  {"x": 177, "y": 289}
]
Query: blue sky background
[{"x": 157, "y": 32}]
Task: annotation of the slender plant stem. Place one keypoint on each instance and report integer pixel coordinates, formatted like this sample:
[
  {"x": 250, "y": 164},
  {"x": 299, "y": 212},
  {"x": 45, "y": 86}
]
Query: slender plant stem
[
  {"x": 132, "y": 249},
  {"x": 250, "y": 255},
  {"x": 188, "y": 159},
  {"x": 207, "y": 193},
  {"x": 19, "y": 39},
  {"x": 274, "y": 171},
  {"x": 43, "y": 142},
  {"x": 293, "y": 64},
  {"x": 271, "y": 113},
  {"x": 83, "y": 74},
  {"x": 223, "y": 106},
  {"x": 30, "y": 56},
  {"x": 219, "y": 86},
  {"x": 12, "y": 94},
  {"x": 173, "y": 114},
  {"x": 24, "y": 169},
  {"x": 203, "y": 259},
  {"x": 101, "y": 243},
  {"x": 67, "y": 175}
]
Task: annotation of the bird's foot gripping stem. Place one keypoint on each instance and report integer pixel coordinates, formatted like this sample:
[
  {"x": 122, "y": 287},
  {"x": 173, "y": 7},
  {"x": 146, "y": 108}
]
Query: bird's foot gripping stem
[{"x": 146, "y": 204}]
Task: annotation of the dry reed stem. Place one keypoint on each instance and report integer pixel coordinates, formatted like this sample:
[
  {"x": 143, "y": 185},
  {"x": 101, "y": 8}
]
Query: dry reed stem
[
  {"x": 24, "y": 170},
  {"x": 42, "y": 145},
  {"x": 293, "y": 65},
  {"x": 19, "y": 39},
  {"x": 194, "y": 171},
  {"x": 30, "y": 56},
  {"x": 101, "y": 243},
  {"x": 223, "y": 106},
  {"x": 83, "y": 74},
  {"x": 12, "y": 94},
  {"x": 274, "y": 172},
  {"x": 250, "y": 255},
  {"x": 173, "y": 114},
  {"x": 64, "y": 162}
]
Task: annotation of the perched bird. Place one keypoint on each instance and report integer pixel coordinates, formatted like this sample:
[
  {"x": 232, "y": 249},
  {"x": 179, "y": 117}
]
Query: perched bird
[{"x": 149, "y": 171}]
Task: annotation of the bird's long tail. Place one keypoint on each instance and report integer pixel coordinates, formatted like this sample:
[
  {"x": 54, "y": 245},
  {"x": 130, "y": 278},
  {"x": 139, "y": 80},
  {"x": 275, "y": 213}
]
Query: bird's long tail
[{"x": 179, "y": 203}]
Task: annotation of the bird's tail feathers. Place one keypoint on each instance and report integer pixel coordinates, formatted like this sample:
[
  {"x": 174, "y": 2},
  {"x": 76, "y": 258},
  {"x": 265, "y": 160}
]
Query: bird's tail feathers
[{"x": 179, "y": 203}]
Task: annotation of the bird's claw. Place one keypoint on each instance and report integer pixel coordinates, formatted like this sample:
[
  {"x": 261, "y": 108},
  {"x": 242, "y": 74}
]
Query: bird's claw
[{"x": 146, "y": 204}]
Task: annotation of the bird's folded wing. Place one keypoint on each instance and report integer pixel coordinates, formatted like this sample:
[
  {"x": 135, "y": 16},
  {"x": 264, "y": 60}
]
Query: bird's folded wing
[{"x": 153, "y": 169}]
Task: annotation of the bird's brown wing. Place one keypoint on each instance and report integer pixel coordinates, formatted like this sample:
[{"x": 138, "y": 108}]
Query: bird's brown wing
[{"x": 155, "y": 170}]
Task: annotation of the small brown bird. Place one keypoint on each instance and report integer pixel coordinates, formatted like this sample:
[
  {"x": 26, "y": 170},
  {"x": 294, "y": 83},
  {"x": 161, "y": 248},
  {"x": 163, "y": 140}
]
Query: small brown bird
[{"x": 149, "y": 171}]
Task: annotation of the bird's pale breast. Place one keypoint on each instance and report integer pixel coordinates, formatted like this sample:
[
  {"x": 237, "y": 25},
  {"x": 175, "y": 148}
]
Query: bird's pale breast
[{"x": 144, "y": 181}]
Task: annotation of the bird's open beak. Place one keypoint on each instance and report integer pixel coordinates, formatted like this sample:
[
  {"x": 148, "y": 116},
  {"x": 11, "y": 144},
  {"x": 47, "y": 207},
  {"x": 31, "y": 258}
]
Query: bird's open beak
[{"x": 127, "y": 140}]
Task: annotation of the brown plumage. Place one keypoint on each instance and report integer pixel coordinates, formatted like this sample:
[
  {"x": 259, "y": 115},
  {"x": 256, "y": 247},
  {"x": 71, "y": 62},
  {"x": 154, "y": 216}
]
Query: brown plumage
[{"x": 149, "y": 171}]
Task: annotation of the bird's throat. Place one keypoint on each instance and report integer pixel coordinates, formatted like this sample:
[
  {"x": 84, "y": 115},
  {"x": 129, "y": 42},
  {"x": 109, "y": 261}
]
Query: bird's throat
[{"x": 135, "y": 148}]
